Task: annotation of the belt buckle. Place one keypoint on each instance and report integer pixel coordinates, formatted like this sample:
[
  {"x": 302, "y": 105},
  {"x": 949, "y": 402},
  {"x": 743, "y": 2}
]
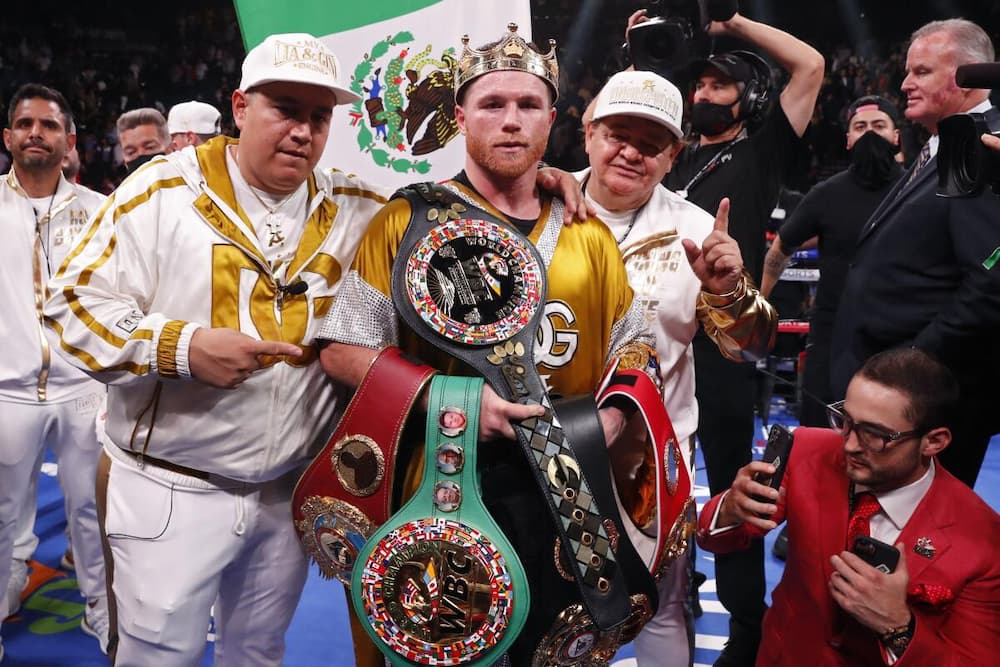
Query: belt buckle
[
  {"x": 437, "y": 591},
  {"x": 575, "y": 641},
  {"x": 333, "y": 532}
]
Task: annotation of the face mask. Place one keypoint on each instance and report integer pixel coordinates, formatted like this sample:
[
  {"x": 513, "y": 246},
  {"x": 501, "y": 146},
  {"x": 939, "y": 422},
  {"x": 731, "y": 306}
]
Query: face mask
[
  {"x": 873, "y": 159},
  {"x": 710, "y": 119},
  {"x": 139, "y": 161}
]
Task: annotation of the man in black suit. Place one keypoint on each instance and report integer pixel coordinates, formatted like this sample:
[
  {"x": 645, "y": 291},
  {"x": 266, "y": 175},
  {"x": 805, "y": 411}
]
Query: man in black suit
[{"x": 924, "y": 271}]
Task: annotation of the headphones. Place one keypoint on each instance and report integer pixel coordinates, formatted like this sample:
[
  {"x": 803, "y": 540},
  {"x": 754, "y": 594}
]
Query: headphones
[{"x": 756, "y": 97}]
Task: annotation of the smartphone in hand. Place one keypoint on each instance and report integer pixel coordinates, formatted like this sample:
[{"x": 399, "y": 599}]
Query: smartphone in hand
[
  {"x": 881, "y": 556},
  {"x": 779, "y": 447}
]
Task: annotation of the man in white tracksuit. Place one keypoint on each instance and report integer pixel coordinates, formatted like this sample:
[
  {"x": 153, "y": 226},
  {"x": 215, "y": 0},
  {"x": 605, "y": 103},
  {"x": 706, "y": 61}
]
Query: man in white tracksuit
[
  {"x": 196, "y": 296},
  {"x": 684, "y": 269},
  {"x": 44, "y": 401}
]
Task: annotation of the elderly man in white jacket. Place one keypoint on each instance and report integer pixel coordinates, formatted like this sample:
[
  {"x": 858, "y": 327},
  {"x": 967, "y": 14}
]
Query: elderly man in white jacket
[{"x": 685, "y": 270}]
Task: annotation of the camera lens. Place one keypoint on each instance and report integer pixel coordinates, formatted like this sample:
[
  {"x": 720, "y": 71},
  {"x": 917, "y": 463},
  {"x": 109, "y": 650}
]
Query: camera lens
[{"x": 661, "y": 47}]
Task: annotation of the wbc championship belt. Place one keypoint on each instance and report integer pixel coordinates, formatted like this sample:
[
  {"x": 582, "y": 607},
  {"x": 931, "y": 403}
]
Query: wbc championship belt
[
  {"x": 346, "y": 492},
  {"x": 474, "y": 287},
  {"x": 439, "y": 583}
]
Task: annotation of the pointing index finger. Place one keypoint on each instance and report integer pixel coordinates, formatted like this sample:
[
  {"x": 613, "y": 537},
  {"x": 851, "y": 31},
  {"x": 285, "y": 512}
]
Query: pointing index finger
[
  {"x": 722, "y": 216},
  {"x": 274, "y": 347}
]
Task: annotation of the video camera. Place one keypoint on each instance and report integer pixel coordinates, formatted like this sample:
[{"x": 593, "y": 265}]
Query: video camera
[
  {"x": 965, "y": 165},
  {"x": 668, "y": 42}
]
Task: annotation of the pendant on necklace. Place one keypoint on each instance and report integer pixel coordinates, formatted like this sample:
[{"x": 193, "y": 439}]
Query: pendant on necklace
[{"x": 276, "y": 237}]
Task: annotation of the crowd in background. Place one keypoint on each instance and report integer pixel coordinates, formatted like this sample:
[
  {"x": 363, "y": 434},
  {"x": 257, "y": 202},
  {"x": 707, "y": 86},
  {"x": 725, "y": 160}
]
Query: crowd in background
[
  {"x": 126, "y": 68},
  {"x": 105, "y": 71}
]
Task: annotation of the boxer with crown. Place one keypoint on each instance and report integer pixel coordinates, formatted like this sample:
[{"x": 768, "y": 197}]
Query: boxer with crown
[{"x": 479, "y": 277}]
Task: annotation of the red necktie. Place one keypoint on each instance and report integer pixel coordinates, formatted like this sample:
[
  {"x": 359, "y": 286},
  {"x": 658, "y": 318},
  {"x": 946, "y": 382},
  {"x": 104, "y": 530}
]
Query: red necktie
[{"x": 865, "y": 507}]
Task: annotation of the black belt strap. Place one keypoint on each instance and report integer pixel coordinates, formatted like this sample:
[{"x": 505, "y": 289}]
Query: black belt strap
[
  {"x": 582, "y": 423},
  {"x": 172, "y": 467}
]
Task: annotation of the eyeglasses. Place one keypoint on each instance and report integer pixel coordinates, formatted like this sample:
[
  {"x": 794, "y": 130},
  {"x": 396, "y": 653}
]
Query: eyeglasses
[{"x": 870, "y": 436}]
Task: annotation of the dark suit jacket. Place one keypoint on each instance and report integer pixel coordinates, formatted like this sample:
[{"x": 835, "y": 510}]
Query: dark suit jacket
[
  {"x": 804, "y": 624},
  {"x": 919, "y": 278}
]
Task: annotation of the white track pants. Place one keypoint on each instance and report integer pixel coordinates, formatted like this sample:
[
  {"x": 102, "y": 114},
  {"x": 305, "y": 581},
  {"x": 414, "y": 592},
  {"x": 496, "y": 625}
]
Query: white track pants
[
  {"x": 179, "y": 545},
  {"x": 67, "y": 428},
  {"x": 665, "y": 640}
]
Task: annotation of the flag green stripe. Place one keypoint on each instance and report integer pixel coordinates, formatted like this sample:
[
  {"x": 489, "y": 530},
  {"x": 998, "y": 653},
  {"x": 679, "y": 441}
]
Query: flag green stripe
[{"x": 260, "y": 18}]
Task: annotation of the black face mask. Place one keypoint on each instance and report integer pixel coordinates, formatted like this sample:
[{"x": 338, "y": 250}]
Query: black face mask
[
  {"x": 710, "y": 119},
  {"x": 873, "y": 160},
  {"x": 139, "y": 161}
]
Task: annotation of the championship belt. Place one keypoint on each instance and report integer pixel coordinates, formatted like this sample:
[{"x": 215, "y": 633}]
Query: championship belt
[
  {"x": 440, "y": 584},
  {"x": 346, "y": 492},
  {"x": 675, "y": 519},
  {"x": 576, "y": 641},
  {"x": 475, "y": 287}
]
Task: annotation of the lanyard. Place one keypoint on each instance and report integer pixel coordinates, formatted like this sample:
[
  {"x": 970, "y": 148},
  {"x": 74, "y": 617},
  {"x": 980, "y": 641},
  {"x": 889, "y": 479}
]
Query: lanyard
[{"x": 712, "y": 164}]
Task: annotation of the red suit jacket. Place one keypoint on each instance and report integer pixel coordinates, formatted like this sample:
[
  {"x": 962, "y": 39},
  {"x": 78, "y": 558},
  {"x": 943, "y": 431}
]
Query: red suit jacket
[{"x": 804, "y": 626}]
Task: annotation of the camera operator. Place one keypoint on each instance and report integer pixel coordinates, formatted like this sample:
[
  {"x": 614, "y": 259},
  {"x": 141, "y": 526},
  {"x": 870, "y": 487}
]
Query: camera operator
[{"x": 731, "y": 89}]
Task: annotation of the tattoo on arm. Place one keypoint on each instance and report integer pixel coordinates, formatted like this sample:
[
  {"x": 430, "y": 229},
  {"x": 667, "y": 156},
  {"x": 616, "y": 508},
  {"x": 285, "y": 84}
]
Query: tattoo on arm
[{"x": 776, "y": 262}]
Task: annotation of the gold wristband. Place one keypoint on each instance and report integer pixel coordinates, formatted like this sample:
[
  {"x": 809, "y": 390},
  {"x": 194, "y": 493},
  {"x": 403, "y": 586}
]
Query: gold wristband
[{"x": 729, "y": 298}]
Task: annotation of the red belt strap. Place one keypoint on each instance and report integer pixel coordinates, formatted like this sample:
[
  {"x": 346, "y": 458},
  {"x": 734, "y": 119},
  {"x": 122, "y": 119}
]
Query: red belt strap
[
  {"x": 673, "y": 482},
  {"x": 346, "y": 492}
]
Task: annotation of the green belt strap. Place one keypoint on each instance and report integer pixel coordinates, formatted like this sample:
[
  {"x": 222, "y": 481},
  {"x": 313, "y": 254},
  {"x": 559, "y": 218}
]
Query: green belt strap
[{"x": 440, "y": 581}]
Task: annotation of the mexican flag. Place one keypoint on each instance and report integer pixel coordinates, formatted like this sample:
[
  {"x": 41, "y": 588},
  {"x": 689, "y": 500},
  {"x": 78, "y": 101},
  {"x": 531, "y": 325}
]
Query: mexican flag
[{"x": 396, "y": 55}]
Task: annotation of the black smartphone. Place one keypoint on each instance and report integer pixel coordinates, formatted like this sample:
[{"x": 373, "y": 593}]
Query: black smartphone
[
  {"x": 879, "y": 555},
  {"x": 776, "y": 452}
]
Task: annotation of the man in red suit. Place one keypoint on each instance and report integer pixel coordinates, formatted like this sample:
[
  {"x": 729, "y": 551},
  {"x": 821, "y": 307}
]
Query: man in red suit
[{"x": 941, "y": 605}]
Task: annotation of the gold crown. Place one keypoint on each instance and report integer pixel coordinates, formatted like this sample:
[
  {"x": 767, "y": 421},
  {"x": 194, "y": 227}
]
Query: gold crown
[{"x": 511, "y": 52}]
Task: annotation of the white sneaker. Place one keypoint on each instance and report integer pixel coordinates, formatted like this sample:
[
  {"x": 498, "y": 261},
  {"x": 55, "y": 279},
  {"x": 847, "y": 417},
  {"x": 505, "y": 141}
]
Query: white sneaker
[
  {"x": 96, "y": 622},
  {"x": 16, "y": 584}
]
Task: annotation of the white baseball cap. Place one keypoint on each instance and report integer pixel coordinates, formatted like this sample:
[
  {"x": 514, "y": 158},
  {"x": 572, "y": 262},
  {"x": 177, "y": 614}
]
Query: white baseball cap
[
  {"x": 196, "y": 117},
  {"x": 296, "y": 57},
  {"x": 643, "y": 94}
]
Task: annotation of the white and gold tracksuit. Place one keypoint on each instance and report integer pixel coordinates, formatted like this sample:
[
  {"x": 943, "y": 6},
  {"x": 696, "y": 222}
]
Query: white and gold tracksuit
[
  {"x": 44, "y": 400},
  {"x": 173, "y": 250}
]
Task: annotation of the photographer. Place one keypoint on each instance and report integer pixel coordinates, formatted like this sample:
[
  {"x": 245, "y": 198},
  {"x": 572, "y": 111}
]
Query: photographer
[
  {"x": 730, "y": 90},
  {"x": 874, "y": 476}
]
